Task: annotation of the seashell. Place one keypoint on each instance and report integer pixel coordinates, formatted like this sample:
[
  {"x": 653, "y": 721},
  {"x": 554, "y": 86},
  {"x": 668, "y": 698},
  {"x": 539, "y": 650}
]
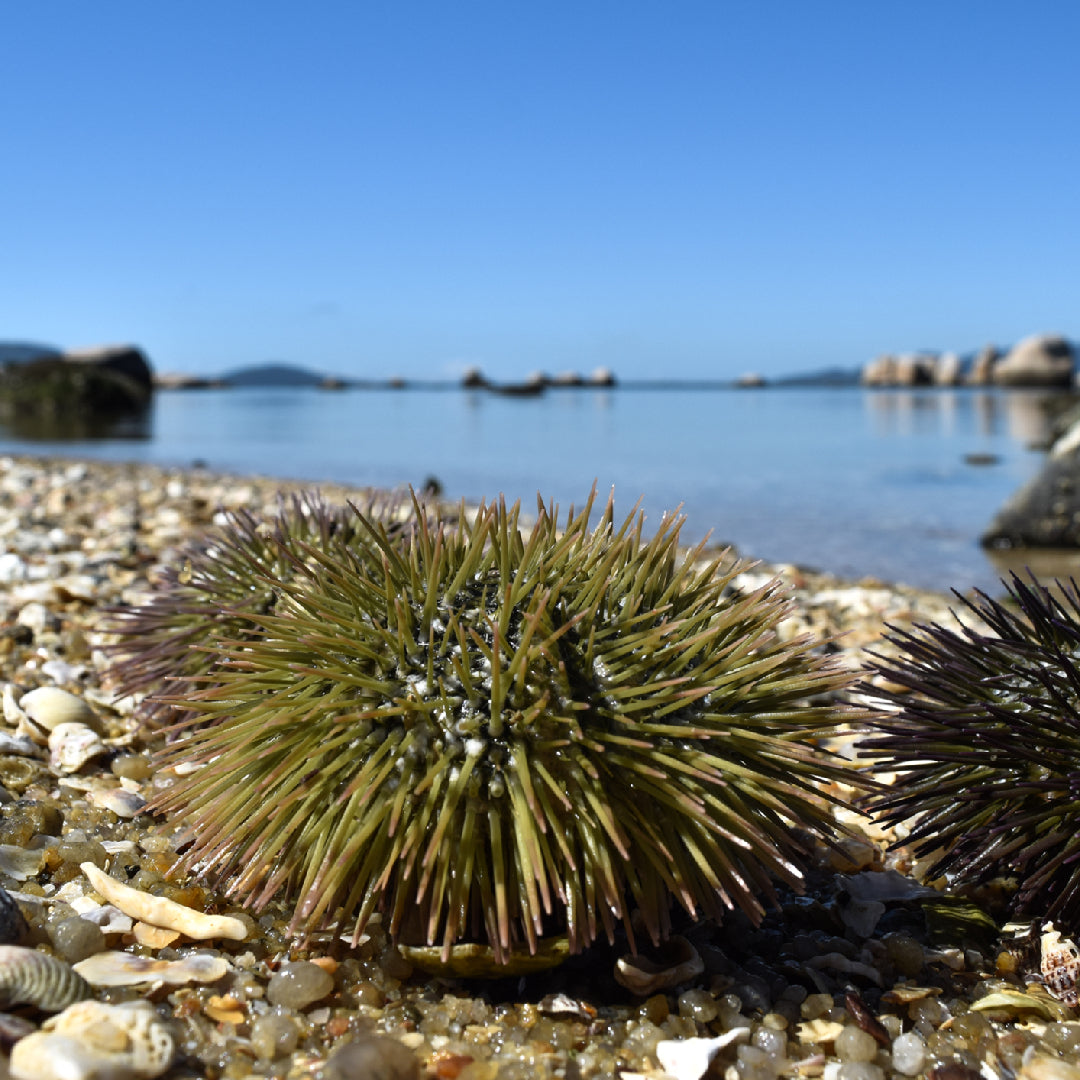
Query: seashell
[
  {"x": 19, "y": 745},
  {"x": 20, "y": 863},
  {"x": 112, "y": 968},
  {"x": 72, "y": 745},
  {"x": 13, "y": 927},
  {"x": 818, "y": 1031},
  {"x": 123, "y": 803},
  {"x": 48, "y": 706},
  {"x": 1060, "y": 965},
  {"x": 29, "y": 977},
  {"x": 92, "y": 1040},
  {"x": 12, "y": 713},
  {"x": 904, "y": 995},
  {"x": 160, "y": 911},
  {"x": 1013, "y": 1002},
  {"x": 689, "y": 1059},
  {"x": 1045, "y": 1067},
  {"x": 679, "y": 962},
  {"x": 109, "y": 918}
]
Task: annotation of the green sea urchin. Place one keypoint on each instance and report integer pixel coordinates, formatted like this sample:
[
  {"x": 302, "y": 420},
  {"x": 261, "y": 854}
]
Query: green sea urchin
[
  {"x": 984, "y": 736},
  {"x": 215, "y": 584},
  {"x": 492, "y": 736}
]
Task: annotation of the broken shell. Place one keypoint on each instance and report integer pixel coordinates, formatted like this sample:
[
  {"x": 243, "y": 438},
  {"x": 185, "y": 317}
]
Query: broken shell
[
  {"x": 1013, "y": 1002},
  {"x": 29, "y": 977},
  {"x": 689, "y": 1059},
  {"x": 72, "y": 745},
  {"x": 91, "y": 1040},
  {"x": 114, "y": 968},
  {"x": 12, "y": 713},
  {"x": 123, "y": 803},
  {"x": 1060, "y": 965},
  {"x": 679, "y": 962},
  {"x": 473, "y": 961},
  {"x": 21, "y": 863},
  {"x": 48, "y": 707},
  {"x": 160, "y": 911}
]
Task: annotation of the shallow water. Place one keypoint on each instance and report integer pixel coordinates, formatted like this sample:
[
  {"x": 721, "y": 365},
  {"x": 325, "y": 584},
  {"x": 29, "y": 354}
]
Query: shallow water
[{"x": 858, "y": 482}]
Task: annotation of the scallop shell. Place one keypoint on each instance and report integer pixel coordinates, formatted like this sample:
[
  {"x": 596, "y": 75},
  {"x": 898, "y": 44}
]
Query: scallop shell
[
  {"x": 1060, "y": 965},
  {"x": 29, "y": 977}
]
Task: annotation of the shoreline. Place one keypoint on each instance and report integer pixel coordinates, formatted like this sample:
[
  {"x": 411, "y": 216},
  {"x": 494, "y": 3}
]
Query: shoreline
[{"x": 80, "y": 536}]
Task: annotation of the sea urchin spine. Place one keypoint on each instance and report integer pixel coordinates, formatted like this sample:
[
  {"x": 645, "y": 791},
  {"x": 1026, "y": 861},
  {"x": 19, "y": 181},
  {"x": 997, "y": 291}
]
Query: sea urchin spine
[
  {"x": 492, "y": 736},
  {"x": 983, "y": 732}
]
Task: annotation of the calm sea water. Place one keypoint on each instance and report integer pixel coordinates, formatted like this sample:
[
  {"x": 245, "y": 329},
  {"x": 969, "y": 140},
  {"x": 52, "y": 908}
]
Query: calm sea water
[{"x": 854, "y": 481}]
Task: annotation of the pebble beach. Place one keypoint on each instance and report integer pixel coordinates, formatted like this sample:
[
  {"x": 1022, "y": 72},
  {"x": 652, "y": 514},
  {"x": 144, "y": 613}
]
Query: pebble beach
[{"x": 873, "y": 974}]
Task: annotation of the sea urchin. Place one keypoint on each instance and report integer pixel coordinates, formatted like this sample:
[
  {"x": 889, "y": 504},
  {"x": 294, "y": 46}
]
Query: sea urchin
[
  {"x": 984, "y": 736},
  {"x": 216, "y": 583},
  {"x": 494, "y": 735}
]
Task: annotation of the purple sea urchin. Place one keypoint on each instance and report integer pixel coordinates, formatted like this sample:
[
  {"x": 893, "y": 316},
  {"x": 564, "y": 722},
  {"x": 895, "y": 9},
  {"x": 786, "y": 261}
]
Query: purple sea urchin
[
  {"x": 984, "y": 737},
  {"x": 493, "y": 736},
  {"x": 214, "y": 586}
]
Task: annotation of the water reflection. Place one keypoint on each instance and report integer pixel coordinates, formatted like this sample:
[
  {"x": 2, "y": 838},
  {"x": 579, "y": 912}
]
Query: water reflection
[
  {"x": 1025, "y": 416},
  {"x": 72, "y": 427}
]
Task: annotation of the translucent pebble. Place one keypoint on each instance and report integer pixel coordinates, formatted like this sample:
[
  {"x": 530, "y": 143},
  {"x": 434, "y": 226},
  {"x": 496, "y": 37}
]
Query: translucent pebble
[
  {"x": 773, "y": 1042},
  {"x": 379, "y": 1056},
  {"x": 75, "y": 939},
  {"x": 753, "y": 1063},
  {"x": 908, "y": 1053},
  {"x": 905, "y": 954},
  {"x": 132, "y": 766},
  {"x": 816, "y": 1005},
  {"x": 1064, "y": 1038},
  {"x": 860, "y": 1070},
  {"x": 698, "y": 1005},
  {"x": 854, "y": 1044},
  {"x": 298, "y": 985},
  {"x": 928, "y": 1011},
  {"x": 272, "y": 1036}
]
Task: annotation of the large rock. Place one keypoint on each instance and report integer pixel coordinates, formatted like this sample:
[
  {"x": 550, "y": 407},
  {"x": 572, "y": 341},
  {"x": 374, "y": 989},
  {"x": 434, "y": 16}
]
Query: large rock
[
  {"x": 1040, "y": 360},
  {"x": 108, "y": 380},
  {"x": 982, "y": 367},
  {"x": 1045, "y": 512}
]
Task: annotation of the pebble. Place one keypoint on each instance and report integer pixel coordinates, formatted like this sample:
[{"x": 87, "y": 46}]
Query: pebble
[
  {"x": 375, "y": 1057},
  {"x": 298, "y": 985},
  {"x": 854, "y": 1044},
  {"x": 273, "y": 1035},
  {"x": 76, "y": 938}
]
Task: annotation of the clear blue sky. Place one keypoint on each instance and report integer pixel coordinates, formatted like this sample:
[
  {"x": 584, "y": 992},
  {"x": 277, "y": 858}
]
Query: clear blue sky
[{"x": 696, "y": 189}]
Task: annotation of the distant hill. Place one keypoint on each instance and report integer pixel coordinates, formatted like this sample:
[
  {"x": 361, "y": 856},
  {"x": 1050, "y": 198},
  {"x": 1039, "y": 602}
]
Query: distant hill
[
  {"x": 20, "y": 352},
  {"x": 273, "y": 375},
  {"x": 833, "y": 376}
]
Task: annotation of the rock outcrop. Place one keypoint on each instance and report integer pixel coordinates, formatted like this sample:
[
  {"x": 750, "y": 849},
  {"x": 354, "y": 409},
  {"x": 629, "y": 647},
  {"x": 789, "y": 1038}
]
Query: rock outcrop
[
  {"x": 1040, "y": 360},
  {"x": 1044, "y": 512},
  {"x": 103, "y": 381}
]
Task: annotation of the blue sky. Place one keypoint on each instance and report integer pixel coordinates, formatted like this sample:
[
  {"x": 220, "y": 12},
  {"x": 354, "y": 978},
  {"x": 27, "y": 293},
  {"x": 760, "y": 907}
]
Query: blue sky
[{"x": 696, "y": 189}]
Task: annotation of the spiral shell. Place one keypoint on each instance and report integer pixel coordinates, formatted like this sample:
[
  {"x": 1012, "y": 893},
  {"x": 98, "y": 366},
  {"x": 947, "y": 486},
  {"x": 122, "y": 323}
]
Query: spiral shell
[
  {"x": 29, "y": 977},
  {"x": 1060, "y": 965}
]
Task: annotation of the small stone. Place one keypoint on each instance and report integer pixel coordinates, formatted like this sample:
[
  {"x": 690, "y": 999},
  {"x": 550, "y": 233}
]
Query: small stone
[
  {"x": 273, "y": 1035},
  {"x": 909, "y": 1053},
  {"x": 860, "y": 1070},
  {"x": 376, "y": 1057},
  {"x": 298, "y": 985},
  {"x": 75, "y": 939},
  {"x": 854, "y": 1044}
]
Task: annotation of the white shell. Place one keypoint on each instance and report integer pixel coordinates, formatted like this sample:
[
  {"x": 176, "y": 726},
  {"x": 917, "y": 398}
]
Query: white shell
[
  {"x": 91, "y": 1040},
  {"x": 1060, "y": 965},
  {"x": 49, "y": 706},
  {"x": 120, "y": 801},
  {"x": 688, "y": 1059},
  {"x": 126, "y": 969},
  {"x": 72, "y": 745}
]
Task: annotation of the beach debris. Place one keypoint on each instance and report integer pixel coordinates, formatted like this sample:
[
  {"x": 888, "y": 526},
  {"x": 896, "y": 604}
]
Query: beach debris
[
  {"x": 29, "y": 977},
  {"x": 678, "y": 962},
  {"x": 689, "y": 1059},
  {"x": 91, "y": 1041},
  {"x": 117, "y": 968},
  {"x": 48, "y": 707},
  {"x": 160, "y": 911},
  {"x": 72, "y": 745},
  {"x": 1060, "y": 965}
]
